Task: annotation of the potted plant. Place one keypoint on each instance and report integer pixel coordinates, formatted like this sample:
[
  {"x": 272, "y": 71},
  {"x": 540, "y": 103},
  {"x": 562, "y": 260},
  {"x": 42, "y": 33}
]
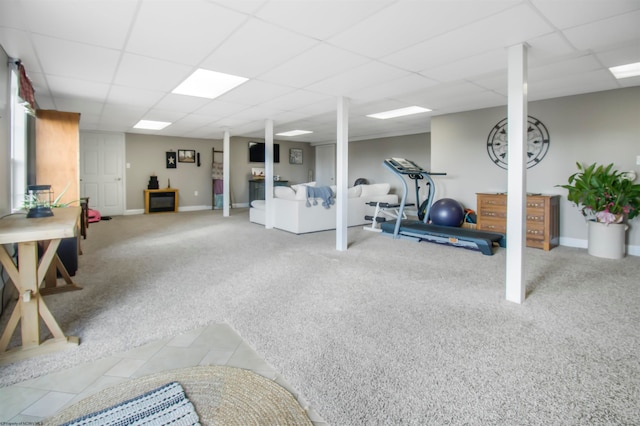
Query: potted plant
[{"x": 608, "y": 198}]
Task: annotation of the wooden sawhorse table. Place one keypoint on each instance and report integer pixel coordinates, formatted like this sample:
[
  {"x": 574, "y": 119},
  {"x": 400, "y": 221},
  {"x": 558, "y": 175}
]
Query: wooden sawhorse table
[{"x": 30, "y": 274}]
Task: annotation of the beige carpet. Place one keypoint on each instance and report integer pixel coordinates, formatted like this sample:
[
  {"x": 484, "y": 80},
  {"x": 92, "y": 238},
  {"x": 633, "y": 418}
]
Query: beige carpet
[
  {"x": 220, "y": 395},
  {"x": 388, "y": 332}
]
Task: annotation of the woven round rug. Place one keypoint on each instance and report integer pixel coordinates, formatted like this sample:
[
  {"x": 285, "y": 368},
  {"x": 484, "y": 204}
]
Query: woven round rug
[{"x": 220, "y": 395}]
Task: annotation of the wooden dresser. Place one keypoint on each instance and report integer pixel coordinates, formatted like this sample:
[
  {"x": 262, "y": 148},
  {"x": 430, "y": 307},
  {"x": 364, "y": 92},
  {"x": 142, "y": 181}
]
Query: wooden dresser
[{"x": 543, "y": 218}]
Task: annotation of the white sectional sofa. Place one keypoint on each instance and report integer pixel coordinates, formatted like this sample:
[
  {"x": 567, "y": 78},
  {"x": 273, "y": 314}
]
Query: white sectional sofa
[{"x": 292, "y": 214}]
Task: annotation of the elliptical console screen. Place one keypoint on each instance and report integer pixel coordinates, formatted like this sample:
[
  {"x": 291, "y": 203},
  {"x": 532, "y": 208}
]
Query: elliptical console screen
[{"x": 405, "y": 166}]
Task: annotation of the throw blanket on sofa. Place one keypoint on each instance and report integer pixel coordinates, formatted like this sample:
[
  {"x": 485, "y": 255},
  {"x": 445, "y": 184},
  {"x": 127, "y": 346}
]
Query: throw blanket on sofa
[{"x": 323, "y": 192}]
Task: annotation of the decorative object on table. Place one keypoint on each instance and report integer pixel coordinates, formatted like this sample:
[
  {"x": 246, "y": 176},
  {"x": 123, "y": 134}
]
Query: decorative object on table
[
  {"x": 257, "y": 173},
  {"x": 168, "y": 183},
  {"x": 153, "y": 182},
  {"x": 171, "y": 160},
  {"x": 607, "y": 198},
  {"x": 537, "y": 142},
  {"x": 186, "y": 156},
  {"x": 295, "y": 156},
  {"x": 38, "y": 201}
]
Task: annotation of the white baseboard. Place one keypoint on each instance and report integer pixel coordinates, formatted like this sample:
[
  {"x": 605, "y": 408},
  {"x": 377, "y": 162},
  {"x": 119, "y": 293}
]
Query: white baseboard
[
  {"x": 574, "y": 242},
  {"x": 193, "y": 208},
  {"x": 180, "y": 209}
]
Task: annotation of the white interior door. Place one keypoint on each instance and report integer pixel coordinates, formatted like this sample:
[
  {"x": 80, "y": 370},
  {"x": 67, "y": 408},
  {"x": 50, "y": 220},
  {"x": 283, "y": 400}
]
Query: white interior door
[
  {"x": 101, "y": 171},
  {"x": 326, "y": 165}
]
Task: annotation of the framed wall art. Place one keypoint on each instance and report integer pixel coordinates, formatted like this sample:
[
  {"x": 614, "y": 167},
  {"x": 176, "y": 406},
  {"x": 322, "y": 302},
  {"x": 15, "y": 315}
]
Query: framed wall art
[
  {"x": 187, "y": 155},
  {"x": 295, "y": 156},
  {"x": 171, "y": 160}
]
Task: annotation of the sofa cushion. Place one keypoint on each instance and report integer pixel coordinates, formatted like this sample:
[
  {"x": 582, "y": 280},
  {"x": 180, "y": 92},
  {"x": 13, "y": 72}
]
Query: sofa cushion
[
  {"x": 296, "y": 186},
  {"x": 301, "y": 190},
  {"x": 284, "y": 192},
  {"x": 375, "y": 189},
  {"x": 354, "y": 191},
  {"x": 258, "y": 204}
]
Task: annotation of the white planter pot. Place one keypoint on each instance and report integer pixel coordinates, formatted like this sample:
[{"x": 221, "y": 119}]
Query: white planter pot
[{"x": 607, "y": 240}]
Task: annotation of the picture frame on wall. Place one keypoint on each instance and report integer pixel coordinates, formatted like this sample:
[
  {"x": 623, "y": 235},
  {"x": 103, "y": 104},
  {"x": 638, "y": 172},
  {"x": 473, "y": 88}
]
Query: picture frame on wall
[
  {"x": 295, "y": 156},
  {"x": 171, "y": 160},
  {"x": 186, "y": 155}
]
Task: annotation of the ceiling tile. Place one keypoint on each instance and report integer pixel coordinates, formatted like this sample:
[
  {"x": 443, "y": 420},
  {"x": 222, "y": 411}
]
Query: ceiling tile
[
  {"x": 564, "y": 85},
  {"x": 548, "y": 48},
  {"x": 501, "y": 30},
  {"x": 619, "y": 29},
  {"x": 620, "y": 56},
  {"x": 147, "y": 73},
  {"x": 255, "y": 48},
  {"x": 567, "y": 14},
  {"x": 296, "y": 99},
  {"x": 105, "y": 25},
  {"x": 569, "y": 66},
  {"x": 255, "y": 92},
  {"x": 219, "y": 108},
  {"x": 181, "y": 31},
  {"x": 313, "y": 66},
  {"x": 69, "y": 87},
  {"x": 121, "y": 95},
  {"x": 406, "y": 23},
  {"x": 394, "y": 88},
  {"x": 469, "y": 67},
  {"x": 319, "y": 18},
  {"x": 77, "y": 60},
  {"x": 173, "y": 102},
  {"x": 372, "y": 73}
]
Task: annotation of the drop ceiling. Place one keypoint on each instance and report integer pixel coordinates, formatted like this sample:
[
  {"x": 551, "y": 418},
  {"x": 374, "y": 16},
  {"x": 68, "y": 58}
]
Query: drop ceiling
[{"x": 116, "y": 62}]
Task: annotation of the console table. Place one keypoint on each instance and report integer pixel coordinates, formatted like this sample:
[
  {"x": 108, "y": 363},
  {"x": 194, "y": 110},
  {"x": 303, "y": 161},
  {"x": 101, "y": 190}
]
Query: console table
[
  {"x": 160, "y": 200},
  {"x": 257, "y": 186},
  {"x": 27, "y": 276}
]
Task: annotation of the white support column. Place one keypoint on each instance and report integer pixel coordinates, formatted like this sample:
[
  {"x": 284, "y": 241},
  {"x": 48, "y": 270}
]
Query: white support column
[
  {"x": 268, "y": 173},
  {"x": 517, "y": 172},
  {"x": 226, "y": 170},
  {"x": 342, "y": 173}
]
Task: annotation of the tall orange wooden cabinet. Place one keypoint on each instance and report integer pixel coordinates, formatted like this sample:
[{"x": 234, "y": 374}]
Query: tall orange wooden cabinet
[{"x": 58, "y": 153}]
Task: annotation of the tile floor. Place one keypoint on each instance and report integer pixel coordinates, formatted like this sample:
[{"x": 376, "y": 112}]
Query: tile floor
[{"x": 32, "y": 401}]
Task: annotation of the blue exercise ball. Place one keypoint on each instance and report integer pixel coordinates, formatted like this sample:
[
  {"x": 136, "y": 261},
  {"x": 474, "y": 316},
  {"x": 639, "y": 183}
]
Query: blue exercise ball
[{"x": 447, "y": 212}]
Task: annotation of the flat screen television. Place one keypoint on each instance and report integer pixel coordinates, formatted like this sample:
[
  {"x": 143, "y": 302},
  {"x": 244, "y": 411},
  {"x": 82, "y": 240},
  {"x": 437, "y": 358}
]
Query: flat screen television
[{"x": 256, "y": 152}]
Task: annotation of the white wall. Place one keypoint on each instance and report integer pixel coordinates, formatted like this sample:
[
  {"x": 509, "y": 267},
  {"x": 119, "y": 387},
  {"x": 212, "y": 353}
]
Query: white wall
[
  {"x": 5, "y": 129},
  {"x": 601, "y": 127}
]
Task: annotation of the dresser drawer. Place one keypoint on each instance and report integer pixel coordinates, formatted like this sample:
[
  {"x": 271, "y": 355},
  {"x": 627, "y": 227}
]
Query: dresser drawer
[
  {"x": 492, "y": 225},
  {"x": 535, "y": 230},
  {"x": 494, "y": 212},
  {"x": 493, "y": 201},
  {"x": 535, "y": 215}
]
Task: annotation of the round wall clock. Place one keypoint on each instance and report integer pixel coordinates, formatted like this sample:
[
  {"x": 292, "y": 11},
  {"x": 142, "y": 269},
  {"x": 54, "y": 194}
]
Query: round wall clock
[{"x": 537, "y": 142}]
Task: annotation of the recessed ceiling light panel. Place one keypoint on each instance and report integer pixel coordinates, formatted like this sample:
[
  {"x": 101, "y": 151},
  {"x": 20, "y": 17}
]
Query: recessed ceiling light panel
[
  {"x": 208, "y": 84},
  {"x": 151, "y": 125},
  {"x": 626, "y": 71},
  {"x": 399, "y": 112},
  {"x": 294, "y": 133}
]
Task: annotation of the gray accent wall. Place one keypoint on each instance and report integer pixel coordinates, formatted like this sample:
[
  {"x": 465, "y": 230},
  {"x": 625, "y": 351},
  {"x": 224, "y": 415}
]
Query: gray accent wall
[
  {"x": 366, "y": 157},
  {"x": 145, "y": 154},
  {"x": 601, "y": 127}
]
